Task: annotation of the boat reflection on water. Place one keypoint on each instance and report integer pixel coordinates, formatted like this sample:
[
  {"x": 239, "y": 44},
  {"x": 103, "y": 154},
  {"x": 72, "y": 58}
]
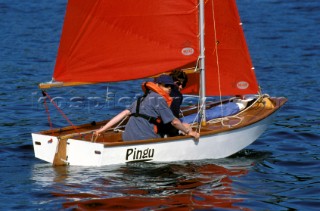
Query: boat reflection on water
[{"x": 184, "y": 186}]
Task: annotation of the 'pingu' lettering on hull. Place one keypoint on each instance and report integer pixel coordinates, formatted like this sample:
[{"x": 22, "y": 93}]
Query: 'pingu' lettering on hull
[{"x": 134, "y": 154}]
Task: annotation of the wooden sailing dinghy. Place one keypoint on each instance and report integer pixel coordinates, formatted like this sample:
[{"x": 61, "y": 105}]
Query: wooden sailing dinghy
[{"x": 108, "y": 41}]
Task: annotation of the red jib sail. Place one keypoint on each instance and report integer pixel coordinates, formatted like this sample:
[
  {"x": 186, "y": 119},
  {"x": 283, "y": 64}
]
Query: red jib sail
[
  {"x": 229, "y": 70},
  {"x": 106, "y": 41}
]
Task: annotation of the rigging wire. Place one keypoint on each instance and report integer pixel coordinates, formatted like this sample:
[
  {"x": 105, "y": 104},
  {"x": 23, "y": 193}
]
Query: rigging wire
[
  {"x": 48, "y": 113},
  {"x": 216, "y": 52},
  {"x": 218, "y": 72},
  {"x": 61, "y": 112},
  {"x": 199, "y": 107}
]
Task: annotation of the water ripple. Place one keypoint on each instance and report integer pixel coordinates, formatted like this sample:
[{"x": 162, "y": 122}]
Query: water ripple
[{"x": 278, "y": 172}]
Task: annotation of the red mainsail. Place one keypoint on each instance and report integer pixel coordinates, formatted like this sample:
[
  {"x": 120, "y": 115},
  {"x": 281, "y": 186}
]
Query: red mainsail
[{"x": 107, "y": 41}]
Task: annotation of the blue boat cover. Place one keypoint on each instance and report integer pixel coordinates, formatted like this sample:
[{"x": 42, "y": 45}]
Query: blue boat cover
[{"x": 223, "y": 110}]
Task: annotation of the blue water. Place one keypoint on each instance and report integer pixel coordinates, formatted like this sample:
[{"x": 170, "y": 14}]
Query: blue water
[{"x": 280, "y": 171}]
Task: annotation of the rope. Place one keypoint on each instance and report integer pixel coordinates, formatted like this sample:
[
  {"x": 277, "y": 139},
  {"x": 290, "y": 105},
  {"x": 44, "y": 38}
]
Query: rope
[
  {"x": 223, "y": 119},
  {"x": 228, "y": 118},
  {"x": 48, "y": 113},
  {"x": 116, "y": 129},
  {"x": 61, "y": 112},
  {"x": 196, "y": 119}
]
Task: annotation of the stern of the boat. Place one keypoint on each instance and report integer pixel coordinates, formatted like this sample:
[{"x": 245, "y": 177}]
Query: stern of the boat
[{"x": 45, "y": 146}]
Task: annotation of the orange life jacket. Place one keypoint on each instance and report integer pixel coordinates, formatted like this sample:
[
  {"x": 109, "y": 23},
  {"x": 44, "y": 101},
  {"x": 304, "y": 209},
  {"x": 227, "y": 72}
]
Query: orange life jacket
[{"x": 146, "y": 86}]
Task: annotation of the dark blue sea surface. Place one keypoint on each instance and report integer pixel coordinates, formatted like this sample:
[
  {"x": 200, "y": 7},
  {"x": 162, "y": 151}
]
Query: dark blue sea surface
[{"x": 280, "y": 171}]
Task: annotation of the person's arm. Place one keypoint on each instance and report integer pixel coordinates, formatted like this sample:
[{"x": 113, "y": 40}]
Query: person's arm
[
  {"x": 113, "y": 121},
  {"x": 188, "y": 131}
]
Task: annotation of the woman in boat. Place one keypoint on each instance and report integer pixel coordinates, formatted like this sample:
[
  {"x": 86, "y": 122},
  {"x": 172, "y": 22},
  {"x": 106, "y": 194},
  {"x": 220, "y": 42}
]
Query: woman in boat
[
  {"x": 147, "y": 111},
  {"x": 180, "y": 79}
]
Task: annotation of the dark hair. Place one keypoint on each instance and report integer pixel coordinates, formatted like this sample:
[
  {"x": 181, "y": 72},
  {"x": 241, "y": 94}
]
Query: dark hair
[{"x": 179, "y": 75}]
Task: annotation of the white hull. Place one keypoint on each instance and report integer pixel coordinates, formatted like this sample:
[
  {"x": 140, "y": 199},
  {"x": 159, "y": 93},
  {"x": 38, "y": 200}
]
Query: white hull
[{"x": 212, "y": 146}]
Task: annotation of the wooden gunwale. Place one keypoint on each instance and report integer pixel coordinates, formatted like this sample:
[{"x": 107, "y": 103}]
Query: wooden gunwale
[
  {"x": 112, "y": 138},
  {"x": 206, "y": 131}
]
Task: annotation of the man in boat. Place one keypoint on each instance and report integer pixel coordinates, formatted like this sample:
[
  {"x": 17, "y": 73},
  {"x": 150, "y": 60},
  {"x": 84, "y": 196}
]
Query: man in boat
[
  {"x": 180, "y": 80},
  {"x": 148, "y": 112}
]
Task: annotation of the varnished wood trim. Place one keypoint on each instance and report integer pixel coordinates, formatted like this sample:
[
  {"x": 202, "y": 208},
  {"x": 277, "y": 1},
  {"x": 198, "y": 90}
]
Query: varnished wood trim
[{"x": 254, "y": 114}]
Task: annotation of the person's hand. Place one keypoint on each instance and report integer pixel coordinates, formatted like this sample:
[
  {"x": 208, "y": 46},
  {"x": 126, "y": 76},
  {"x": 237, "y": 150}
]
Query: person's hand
[
  {"x": 96, "y": 133},
  {"x": 194, "y": 134}
]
